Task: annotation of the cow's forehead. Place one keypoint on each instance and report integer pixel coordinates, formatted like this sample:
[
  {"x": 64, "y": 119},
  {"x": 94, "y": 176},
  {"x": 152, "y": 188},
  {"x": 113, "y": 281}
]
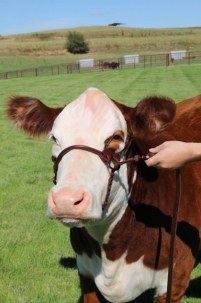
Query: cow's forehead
[{"x": 92, "y": 112}]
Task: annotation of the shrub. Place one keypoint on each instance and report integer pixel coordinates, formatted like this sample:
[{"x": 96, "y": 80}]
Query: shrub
[{"x": 76, "y": 43}]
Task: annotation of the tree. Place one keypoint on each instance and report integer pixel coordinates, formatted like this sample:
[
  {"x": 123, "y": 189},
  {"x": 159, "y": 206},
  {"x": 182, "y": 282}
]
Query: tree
[{"x": 76, "y": 43}]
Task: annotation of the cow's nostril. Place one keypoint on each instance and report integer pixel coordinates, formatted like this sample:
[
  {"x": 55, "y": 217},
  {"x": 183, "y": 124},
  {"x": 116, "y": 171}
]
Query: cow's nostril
[{"x": 78, "y": 202}]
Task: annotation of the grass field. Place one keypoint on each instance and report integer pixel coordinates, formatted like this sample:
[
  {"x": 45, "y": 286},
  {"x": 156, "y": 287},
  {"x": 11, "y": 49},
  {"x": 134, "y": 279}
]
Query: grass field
[{"x": 36, "y": 260}]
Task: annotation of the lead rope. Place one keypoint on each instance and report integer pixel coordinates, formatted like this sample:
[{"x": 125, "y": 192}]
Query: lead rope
[{"x": 173, "y": 235}]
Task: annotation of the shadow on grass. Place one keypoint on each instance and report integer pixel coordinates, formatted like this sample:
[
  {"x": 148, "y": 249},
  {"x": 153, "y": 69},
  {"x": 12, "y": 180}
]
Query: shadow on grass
[
  {"x": 68, "y": 262},
  {"x": 193, "y": 291}
]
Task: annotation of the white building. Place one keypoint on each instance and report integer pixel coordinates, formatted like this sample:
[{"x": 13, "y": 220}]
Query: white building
[
  {"x": 130, "y": 59},
  {"x": 85, "y": 63},
  {"x": 178, "y": 55}
]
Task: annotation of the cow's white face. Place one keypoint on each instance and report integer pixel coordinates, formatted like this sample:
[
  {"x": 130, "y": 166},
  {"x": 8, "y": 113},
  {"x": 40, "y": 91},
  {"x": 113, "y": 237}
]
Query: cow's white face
[{"x": 92, "y": 120}]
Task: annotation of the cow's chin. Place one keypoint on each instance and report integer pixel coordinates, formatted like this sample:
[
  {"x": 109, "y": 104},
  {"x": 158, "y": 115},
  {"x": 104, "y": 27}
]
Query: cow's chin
[
  {"x": 68, "y": 222},
  {"x": 76, "y": 222},
  {"x": 73, "y": 222}
]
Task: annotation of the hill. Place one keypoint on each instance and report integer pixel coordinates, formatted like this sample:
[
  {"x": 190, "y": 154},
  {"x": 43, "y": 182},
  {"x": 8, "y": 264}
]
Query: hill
[{"x": 108, "y": 40}]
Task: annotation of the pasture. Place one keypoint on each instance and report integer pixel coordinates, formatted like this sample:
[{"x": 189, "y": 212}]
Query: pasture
[{"x": 37, "y": 262}]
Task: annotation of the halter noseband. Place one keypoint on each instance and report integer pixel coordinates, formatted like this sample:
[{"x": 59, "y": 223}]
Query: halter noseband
[{"x": 107, "y": 156}]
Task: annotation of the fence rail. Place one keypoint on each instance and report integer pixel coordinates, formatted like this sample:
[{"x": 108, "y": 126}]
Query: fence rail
[{"x": 144, "y": 61}]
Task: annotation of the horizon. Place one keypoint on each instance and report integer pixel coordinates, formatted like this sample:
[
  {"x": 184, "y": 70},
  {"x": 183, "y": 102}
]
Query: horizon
[{"x": 74, "y": 28}]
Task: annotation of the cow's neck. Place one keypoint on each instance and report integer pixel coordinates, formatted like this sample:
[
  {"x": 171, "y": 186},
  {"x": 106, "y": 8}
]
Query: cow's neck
[{"x": 101, "y": 231}]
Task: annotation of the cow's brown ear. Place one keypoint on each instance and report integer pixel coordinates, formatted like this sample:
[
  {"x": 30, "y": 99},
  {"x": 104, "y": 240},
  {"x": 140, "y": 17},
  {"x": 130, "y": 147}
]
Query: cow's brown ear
[
  {"x": 152, "y": 114},
  {"x": 31, "y": 115}
]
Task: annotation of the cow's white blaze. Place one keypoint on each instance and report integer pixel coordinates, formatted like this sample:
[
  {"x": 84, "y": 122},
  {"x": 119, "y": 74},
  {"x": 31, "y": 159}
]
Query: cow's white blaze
[{"x": 82, "y": 177}]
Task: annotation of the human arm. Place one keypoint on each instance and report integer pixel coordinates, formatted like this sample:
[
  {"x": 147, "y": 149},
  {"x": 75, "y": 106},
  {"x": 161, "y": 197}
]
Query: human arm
[{"x": 174, "y": 154}]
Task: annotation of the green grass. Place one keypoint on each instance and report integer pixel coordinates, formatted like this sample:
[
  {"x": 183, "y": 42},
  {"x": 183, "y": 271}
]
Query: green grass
[
  {"x": 36, "y": 260},
  {"x": 20, "y": 63}
]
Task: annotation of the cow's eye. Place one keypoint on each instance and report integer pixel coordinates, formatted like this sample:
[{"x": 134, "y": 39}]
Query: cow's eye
[
  {"x": 115, "y": 142},
  {"x": 54, "y": 139},
  {"x": 118, "y": 137}
]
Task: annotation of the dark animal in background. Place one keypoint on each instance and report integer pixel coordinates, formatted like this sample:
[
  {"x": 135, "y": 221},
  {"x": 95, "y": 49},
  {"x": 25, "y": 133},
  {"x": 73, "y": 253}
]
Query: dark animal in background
[
  {"x": 111, "y": 65},
  {"x": 114, "y": 65},
  {"x": 106, "y": 65}
]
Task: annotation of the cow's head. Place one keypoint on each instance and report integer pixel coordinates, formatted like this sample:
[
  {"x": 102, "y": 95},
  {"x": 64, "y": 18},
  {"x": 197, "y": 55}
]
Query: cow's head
[{"x": 92, "y": 120}]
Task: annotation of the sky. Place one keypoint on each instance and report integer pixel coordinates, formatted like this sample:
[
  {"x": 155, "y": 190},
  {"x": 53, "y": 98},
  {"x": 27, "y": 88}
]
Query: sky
[{"x": 20, "y": 16}]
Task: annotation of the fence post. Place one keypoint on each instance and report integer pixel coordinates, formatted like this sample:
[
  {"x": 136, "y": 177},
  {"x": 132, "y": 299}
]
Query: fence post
[
  {"x": 36, "y": 72},
  {"x": 167, "y": 60},
  {"x": 144, "y": 61},
  {"x": 69, "y": 68},
  {"x": 121, "y": 62},
  {"x": 101, "y": 65}
]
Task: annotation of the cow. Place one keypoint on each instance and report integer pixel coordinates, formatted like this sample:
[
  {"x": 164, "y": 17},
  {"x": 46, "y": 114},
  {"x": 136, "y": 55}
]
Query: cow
[
  {"x": 120, "y": 226},
  {"x": 111, "y": 65},
  {"x": 106, "y": 65},
  {"x": 114, "y": 65}
]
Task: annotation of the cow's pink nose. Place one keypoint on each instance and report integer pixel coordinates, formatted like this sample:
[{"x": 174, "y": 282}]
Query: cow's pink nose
[{"x": 68, "y": 203}]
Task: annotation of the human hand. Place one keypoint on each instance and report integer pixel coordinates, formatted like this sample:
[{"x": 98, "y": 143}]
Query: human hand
[{"x": 174, "y": 154}]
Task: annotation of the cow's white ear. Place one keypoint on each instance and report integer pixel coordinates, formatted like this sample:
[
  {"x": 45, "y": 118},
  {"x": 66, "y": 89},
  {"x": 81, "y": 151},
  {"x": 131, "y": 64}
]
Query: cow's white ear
[
  {"x": 152, "y": 114},
  {"x": 31, "y": 115}
]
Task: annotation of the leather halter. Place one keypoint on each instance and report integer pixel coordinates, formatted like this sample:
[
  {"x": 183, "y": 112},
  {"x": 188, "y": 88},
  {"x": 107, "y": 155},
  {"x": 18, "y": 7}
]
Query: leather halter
[{"x": 107, "y": 156}]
